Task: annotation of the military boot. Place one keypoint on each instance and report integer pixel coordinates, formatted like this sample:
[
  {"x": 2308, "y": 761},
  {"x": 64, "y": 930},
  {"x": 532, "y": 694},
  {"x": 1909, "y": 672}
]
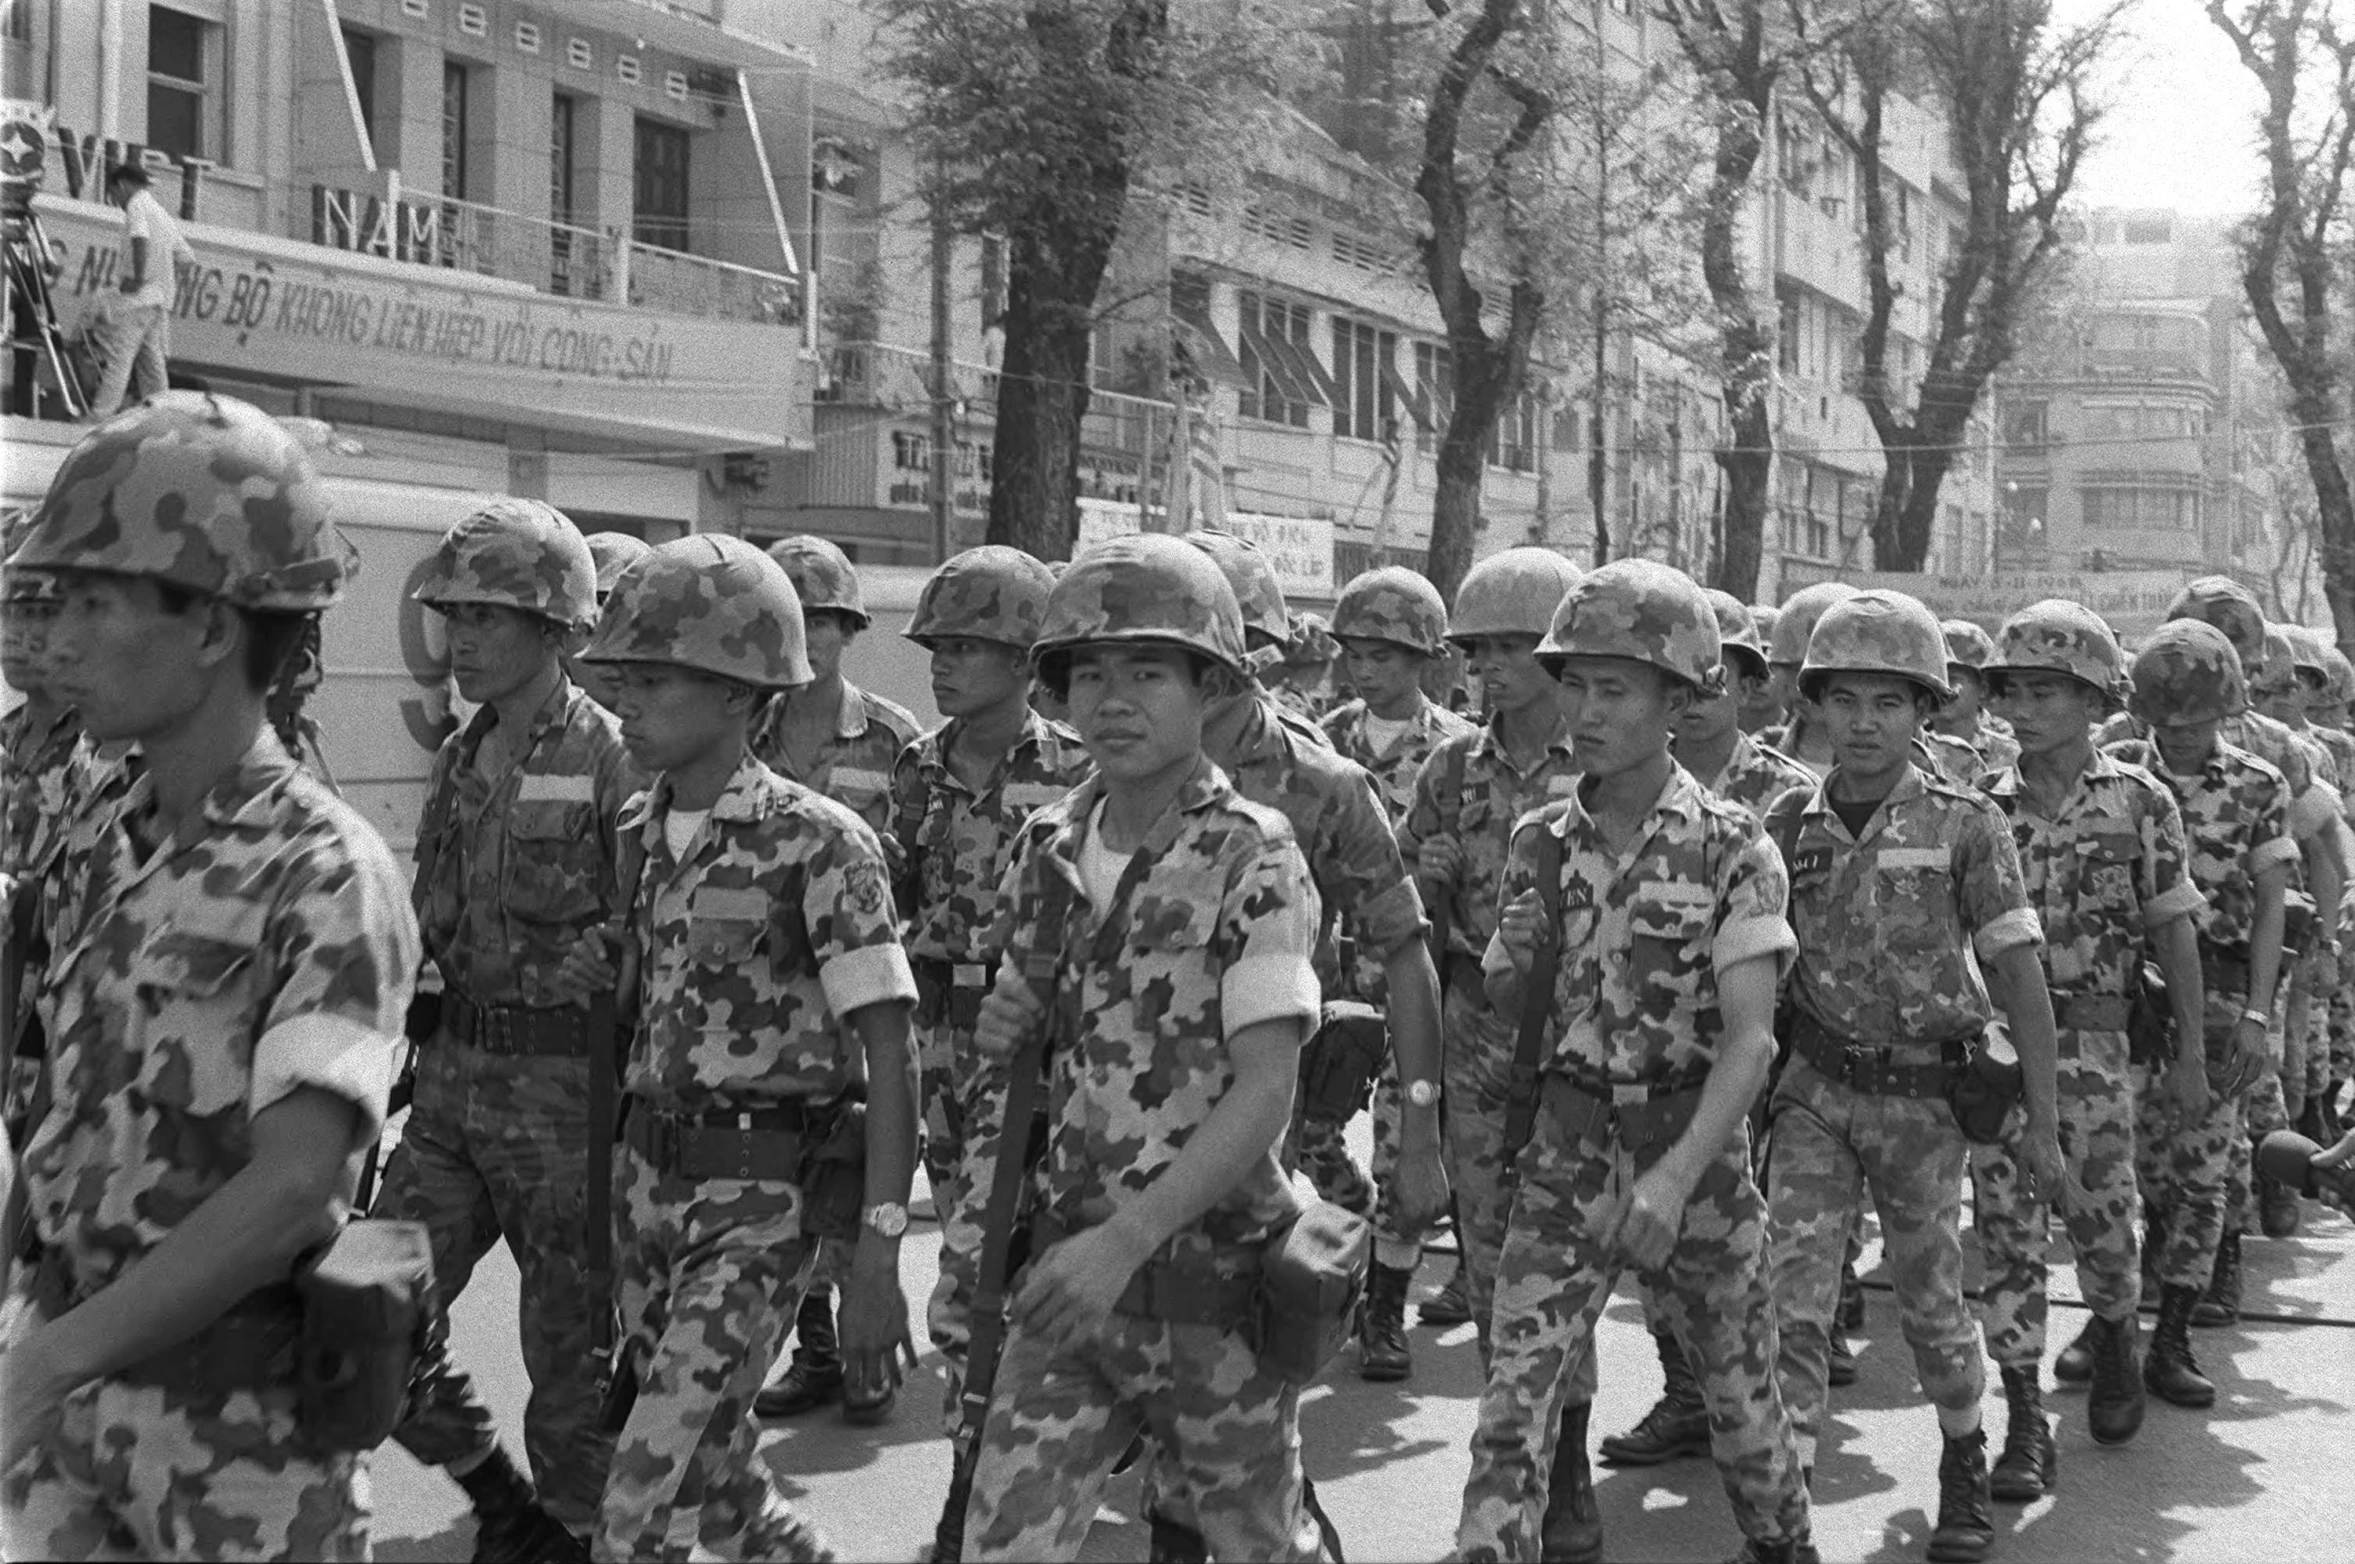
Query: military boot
[
  {"x": 1572, "y": 1532},
  {"x": 2075, "y": 1364},
  {"x": 2221, "y": 1304},
  {"x": 1851, "y": 1299},
  {"x": 1677, "y": 1425},
  {"x": 1788, "y": 1551},
  {"x": 1452, "y": 1304},
  {"x": 2029, "y": 1466},
  {"x": 2168, "y": 1370},
  {"x": 2113, "y": 1412},
  {"x": 509, "y": 1525},
  {"x": 814, "y": 1378},
  {"x": 1171, "y": 1541},
  {"x": 1382, "y": 1352},
  {"x": 2277, "y": 1207},
  {"x": 1840, "y": 1363},
  {"x": 1966, "y": 1515}
]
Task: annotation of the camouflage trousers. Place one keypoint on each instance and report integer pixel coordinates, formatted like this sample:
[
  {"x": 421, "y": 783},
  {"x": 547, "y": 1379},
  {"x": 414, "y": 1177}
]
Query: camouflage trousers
[
  {"x": 1390, "y": 1232},
  {"x": 1227, "y": 1431},
  {"x": 497, "y": 1147},
  {"x": 1321, "y": 1151},
  {"x": 1833, "y": 1146},
  {"x": 710, "y": 1275},
  {"x": 948, "y": 1316},
  {"x": 945, "y": 1062},
  {"x": 2184, "y": 1169},
  {"x": 1552, "y": 1283},
  {"x": 2096, "y": 1102},
  {"x": 133, "y": 1472}
]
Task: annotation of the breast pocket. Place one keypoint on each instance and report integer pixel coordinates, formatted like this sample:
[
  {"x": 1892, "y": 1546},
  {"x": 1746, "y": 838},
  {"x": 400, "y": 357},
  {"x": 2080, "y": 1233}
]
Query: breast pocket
[
  {"x": 1669, "y": 947},
  {"x": 556, "y": 870},
  {"x": 1168, "y": 957},
  {"x": 1917, "y": 914},
  {"x": 199, "y": 999},
  {"x": 724, "y": 943},
  {"x": 2105, "y": 872}
]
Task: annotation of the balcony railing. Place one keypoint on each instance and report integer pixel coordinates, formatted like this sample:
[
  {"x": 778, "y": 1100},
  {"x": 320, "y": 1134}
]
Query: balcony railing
[
  {"x": 876, "y": 374},
  {"x": 557, "y": 258}
]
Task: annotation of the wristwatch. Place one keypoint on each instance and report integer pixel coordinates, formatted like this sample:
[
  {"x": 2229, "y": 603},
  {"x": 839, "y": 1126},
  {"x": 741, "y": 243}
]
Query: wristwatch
[
  {"x": 2261, "y": 1017},
  {"x": 886, "y": 1221},
  {"x": 1422, "y": 1094}
]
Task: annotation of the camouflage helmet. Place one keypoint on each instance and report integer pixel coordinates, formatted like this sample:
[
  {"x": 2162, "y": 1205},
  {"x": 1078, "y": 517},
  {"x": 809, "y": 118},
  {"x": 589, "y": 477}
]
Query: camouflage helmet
[
  {"x": 2230, "y": 607},
  {"x": 709, "y": 602},
  {"x": 1763, "y": 618},
  {"x": 822, "y": 576},
  {"x": 1968, "y": 645},
  {"x": 2277, "y": 666},
  {"x": 1251, "y": 576},
  {"x": 1878, "y": 632},
  {"x": 1794, "y": 622},
  {"x": 1641, "y": 610},
  {"x": 515, "y": 553},
  {"x": 614, "y": 553},
  {"x": 992, "y": 593},
  {"x": 2187, "y": 672},
  {"x": 1514, "y": 592},
  {"x": 2310, "y": 653},
  {"x": 2058, "y": 636},
  {"x": 1393, "y": 604},
  {"x": 198, "y": 491},
  {"x": 22, "y": 586},
  {"x": 1312, "y": 644},
  {"x": 1144, "y": 587},
  {"x": 1737, "y": 631},
  {"x": 2338, "y": 687}
]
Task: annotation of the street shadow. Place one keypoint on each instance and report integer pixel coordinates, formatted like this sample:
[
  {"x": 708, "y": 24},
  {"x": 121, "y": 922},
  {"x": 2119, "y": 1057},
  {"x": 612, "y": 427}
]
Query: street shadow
[{"x": 820, "y": 1444}]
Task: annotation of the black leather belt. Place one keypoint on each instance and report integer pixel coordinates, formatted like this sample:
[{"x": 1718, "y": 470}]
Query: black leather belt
[
  {"x": 1873, "y": 1071},
  {"x": 1645, "y": 1119},
  {"x": 511, "y": 1029},
  {"x": 755, "y": 1143},
  {"x": 1189, "y": 1288},
  {"x": 951, "y": 991}
]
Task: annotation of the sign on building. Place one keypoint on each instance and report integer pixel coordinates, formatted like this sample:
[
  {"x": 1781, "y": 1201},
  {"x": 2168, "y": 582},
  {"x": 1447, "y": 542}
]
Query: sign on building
[
  {"x": 2133, "y": 601},
  {"x": 1301, "y": 549}
]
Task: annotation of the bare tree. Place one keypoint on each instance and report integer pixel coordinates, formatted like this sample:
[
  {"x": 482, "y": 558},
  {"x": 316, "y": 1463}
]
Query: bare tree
[
  {"x": 2014, "y": 91},
  {"x": 2305, "y": 66}
]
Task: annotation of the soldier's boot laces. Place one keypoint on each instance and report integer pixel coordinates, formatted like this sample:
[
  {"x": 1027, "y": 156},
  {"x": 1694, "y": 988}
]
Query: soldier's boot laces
[
  {"x": 1382, "y": 1351},
  {"x": 814, "y": 1378},
  {"x": 2075, "y": 1364},
  {"x": 2221, "y": 1303},
  {"x": 2277, "y": 1207},
  {"x": 1966, "y": 1513},
  {"x": 1572, "y": 1531},
  {"x": 1677, "y": 1425},
  {"x": 510, "y": 1527},
  {"x": 1840, "y": 1363},
  {"x": 2114, "y": 1409},
  {"x": 2168, "y": 1370},
  {"x": 1452, "y": 1304},
  {"x": 2029, "y": 1466}
]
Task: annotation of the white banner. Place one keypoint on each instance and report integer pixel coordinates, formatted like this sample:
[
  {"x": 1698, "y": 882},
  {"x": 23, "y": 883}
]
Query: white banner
[
  {"x": 2133, "y": 601},
  {"x": 1301, "y": 550}
]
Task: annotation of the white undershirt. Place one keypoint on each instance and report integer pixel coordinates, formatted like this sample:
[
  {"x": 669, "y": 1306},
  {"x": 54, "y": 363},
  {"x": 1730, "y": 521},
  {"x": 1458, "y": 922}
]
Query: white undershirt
[
  {"x": 679, "y": 827},
  {"x": 1100, "y": 868},
  {"x": 1383, "y": 732}
]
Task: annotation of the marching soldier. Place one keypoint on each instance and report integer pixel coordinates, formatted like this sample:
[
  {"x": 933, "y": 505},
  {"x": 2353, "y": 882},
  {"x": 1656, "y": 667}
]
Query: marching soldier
[
  {"x": 1305, "y": 688},
  {"x": 614, "y": 553},
  {"x": 1182, "y": 920},
  {"x": 1660, "y": 912},
  {"x": 1898, "y": 878},
  {"x": 1801, "y": 734},
  {"x": 230, "y": 965},
  {"x": 2187, "y": 685},
  {"x": 1965, "y": 719},
  {"x": 842, "y": 742},
  {"x": 2102, "y": 848},
  {"x": 2299, "y": 675},
  {"x": 1763, "y": 708},
  {"x": 1391, "y": 624},
  {"x": 768, "y": 964},
  {"x": 41, "y": 742}
]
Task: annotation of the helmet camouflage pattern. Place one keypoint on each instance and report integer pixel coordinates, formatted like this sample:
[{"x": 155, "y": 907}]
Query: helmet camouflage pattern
[
  {"x": 520, "y": 554},
  {"x": 709, "y": 602},
  {"x": 199, "y": 491},
  {"x": 1312, "y": 644},
  {"x": 2187, "y": 672},
  {"x": 1392, "y": 603},
  {"x": 2278, "y": 668},
  {"x": 22, "y": 586},
  {"x": 1251, "y": 576},
  {"x": 2058, "y": 636},
  {"x": 1968, "y": 644},
  {"x": 1794, "y": 622},
  {"x": 1514, "y": 592},
  {"x": 1144, "y": 587},
  {"x": 1641, "y": 610},
  {"x": 2230, "y": 607},
  {"x": 614, "y": 553},
  {"x": 1878, "y": 632},
  {"x": 992, "y": 593},
  {"x": 2338, "y": 676},
  {"x": 1737, "y": 629},
  {"x": 1764, "y": 617},
  {"x": 2309, "y": 652},
  {"x": 822, "y": 576}
]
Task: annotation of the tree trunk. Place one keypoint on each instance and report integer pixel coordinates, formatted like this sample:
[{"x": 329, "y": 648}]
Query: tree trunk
[
  {"x": 1042, "y": 398},
  {"x": 1746, "y": 353},
  {"x": 1455, "y": 514},
  {"x": 1747, "y": 497},
  {"x": 1917, "y": 520}
]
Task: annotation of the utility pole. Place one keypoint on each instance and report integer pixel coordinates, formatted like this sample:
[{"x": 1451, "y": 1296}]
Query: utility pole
[{"x": 944, "y": 397}]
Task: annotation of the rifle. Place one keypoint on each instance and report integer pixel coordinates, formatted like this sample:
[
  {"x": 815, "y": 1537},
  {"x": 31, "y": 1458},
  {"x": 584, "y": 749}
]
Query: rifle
[{"x": 1024, "y": 1072}]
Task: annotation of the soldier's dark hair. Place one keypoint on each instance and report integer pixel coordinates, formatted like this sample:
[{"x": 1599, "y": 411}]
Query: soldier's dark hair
[
  {"x": 1054, "y": 671},
  {"x": 1927, "y": 700}
]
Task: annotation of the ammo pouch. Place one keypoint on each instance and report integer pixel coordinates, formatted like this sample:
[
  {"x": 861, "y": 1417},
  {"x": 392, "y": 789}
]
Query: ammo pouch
[
  {"x": 1981, "y": 1090},
  {"x": 834, "y": 1172},
  {"x": 1338, "y": 1066},
  {"x": 367, "y": 1301},
  {"x": 1312, "y": 1272},
  {"x": 2298, "y": 925},
  {"x": 1645, "y": 1125},
  {"x": 2150, "y": 1023}
]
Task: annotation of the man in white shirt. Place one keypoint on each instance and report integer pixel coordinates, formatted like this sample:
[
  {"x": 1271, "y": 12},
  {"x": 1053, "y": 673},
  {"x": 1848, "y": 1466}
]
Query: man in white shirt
[{"x": 136, "y": 332}]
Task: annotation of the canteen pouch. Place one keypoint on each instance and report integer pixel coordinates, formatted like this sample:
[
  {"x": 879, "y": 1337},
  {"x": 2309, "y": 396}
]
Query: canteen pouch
[
  {"x": 367, "y": 1303},
  {"x": 834, "y": 1174},
  {"x": 1338, "y": 1066},
  {"x": 1982, "y": 1090},
  {"x": 1312, "y": 1273}
]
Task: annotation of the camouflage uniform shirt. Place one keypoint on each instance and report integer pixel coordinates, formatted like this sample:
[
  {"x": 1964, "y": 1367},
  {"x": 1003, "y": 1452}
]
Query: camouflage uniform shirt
[
  {"x": 2236, "y": 825},
  {"x": 266, "y": 948},
  {"x": 2104, "y": 873},
  {"x": 41, "y": 786},
  {"x": 1756, "y": 774},
  {"x": 773, "y": 926},
  {"x": 1471, "y": 790},
  {"x": 1645, "y": 933},
  {"x": 854, "y": 766},
  {"x": 1394, "y": 773},
  {"x": 1883, "y": 921},
  {"x": 513, "y": 869},
  {"x": 1210, "y": 931}
]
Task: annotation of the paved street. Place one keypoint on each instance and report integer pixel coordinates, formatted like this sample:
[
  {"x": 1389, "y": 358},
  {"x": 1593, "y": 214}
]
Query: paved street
[{"x": 2266, "y": 1475}]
